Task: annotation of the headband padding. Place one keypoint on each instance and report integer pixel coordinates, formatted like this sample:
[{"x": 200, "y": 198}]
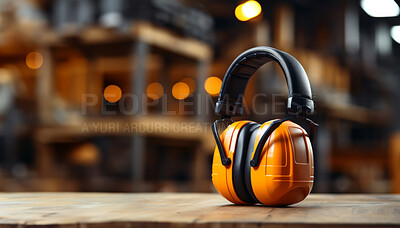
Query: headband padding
[{"x": 246, "y": 64}]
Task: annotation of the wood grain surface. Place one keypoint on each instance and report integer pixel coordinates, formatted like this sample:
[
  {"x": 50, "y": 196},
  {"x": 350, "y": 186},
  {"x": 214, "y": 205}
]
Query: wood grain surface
[{"x": 192, "y": 210}]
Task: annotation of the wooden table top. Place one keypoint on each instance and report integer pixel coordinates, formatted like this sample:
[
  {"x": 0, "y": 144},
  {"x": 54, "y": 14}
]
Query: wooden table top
[{"x": 192, "y": 210}]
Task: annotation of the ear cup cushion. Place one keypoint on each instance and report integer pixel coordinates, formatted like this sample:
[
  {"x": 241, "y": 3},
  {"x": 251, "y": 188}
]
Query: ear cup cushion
[
  {"x": 247, "y": 159},
  {"x": 222, "y": 176},
  {"x": 239, "y": 163}
]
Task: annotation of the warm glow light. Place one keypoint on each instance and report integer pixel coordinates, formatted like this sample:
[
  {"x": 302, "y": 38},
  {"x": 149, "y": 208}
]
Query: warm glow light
[
  {"x": 395, "y": 33},
  {"x": 180, "y": 90},
  {"x": 191, "y": 83},
  {"x": 213, "y": 85},
  {"x": 86, "y": 154},
  {"x": 247, "y": 10},
  {"x": 34, "y": 60},
  {"x": 112, "y": 93},
  {"x": 380, "y": 8},
  {"x": 155, "y": 90}
]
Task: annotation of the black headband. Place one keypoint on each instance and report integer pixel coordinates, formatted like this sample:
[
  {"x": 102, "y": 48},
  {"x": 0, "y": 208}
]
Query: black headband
[{"x": 246, "y": 64}]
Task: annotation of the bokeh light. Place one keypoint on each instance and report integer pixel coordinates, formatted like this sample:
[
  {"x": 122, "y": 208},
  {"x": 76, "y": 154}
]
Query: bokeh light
[
  {"x": 213, "y": 85},
  {"x": 34, "y": 60},
  {"x": 85, "y": 154},
  {"x": 191, "y": 83},
  {"x": 155, "y": 90},
  {"x": 395, "y": 33},
  {"x": 381, "y": 8},
  {"x": 248, "y": 10},
  {"x": 180, "y": 90},
  {"x": 112, "y": 93}
]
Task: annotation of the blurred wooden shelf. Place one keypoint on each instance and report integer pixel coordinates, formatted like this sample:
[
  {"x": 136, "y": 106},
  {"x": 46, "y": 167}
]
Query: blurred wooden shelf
[
  {"x": 168, "y": 128},
  {"x": 343, "y": 161},
  {"x": 34, "y": 184},
  {"x": 158, "y": 126},
  {"x": 357, "y": 114},
  {"x": 140, "y": 30},
  {"x": 100, "y": 184}
]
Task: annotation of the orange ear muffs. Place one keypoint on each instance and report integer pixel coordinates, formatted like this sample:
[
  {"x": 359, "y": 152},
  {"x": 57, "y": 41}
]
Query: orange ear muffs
[{"x": 270, "y": 163}]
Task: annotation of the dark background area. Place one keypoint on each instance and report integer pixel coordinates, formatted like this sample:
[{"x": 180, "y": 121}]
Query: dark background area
[{"x": 59, "y": 132}]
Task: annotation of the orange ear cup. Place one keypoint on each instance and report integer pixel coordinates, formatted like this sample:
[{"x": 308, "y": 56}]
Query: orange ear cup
[
  {"x": 222, "y": 175},
  {"x": 286, "y": 170}
]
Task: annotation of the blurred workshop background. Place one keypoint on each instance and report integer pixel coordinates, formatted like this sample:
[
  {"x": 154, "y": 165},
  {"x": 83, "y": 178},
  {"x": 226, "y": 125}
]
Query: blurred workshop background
[{"x": 118, "y": 95}]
